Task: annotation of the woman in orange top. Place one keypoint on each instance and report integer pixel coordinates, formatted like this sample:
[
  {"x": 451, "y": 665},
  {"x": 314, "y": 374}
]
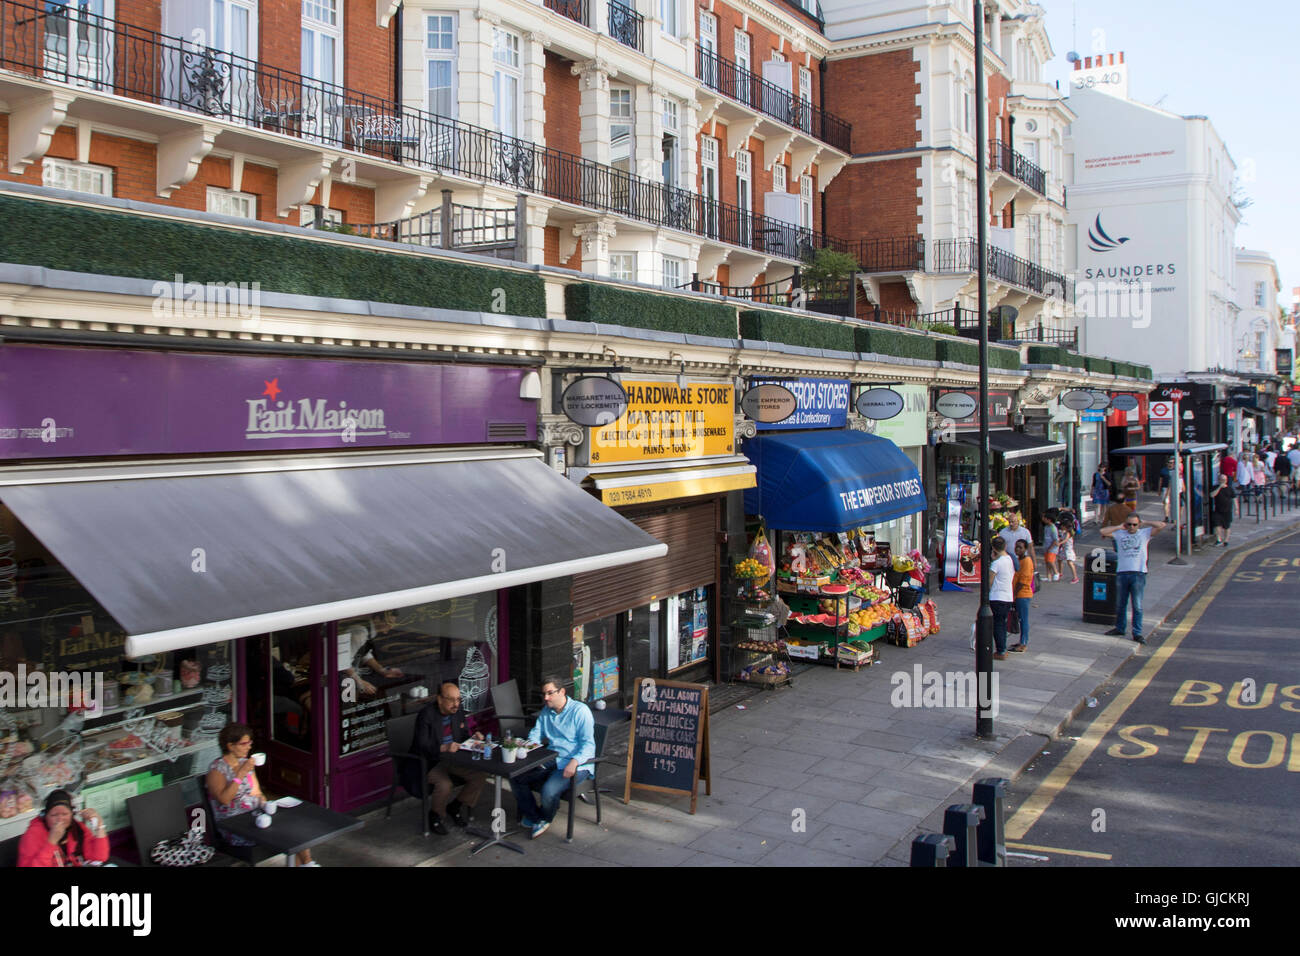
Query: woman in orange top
[{"x": 1022, "y": 589}]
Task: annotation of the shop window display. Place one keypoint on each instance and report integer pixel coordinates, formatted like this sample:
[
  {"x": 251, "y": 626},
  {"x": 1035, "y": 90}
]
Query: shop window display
[
  {"x": 383, "y": 657},
  {"x": 75, "y": 712}
]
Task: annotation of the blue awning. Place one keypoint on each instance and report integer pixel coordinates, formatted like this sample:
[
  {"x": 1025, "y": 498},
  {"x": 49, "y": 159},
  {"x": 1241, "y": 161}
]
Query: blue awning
[{"x": 831, "y": 481}]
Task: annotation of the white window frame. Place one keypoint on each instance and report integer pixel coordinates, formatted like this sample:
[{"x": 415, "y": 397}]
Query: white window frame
[
  {"x": 76, "y": 177},
  {"x": 227, "y": 202},
  {"x": 709, "y": 182},
  {"x": 780, "y": 178},
  {"x": 673, "y": 271},
  {"x": 315, "y": 20},
  {"x": 708, "y": 31},
  {"x": 440, "y": 28},
  {"x": 507, "y": 73},
  {"x": 744, "y": 48},
  {"x": 1261, "y": 295},
  {"x": 307, "y": 216},
  {"x": 668, "y": 18},
  {"x": 83, "y": 55},
  {"x": 622, "y": 266},
  {"x": 806, "y": 202},
  {"x": 745, "y": 192}
]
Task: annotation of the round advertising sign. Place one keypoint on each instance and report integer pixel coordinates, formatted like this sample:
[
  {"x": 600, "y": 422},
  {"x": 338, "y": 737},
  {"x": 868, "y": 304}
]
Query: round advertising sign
[
  {"x": 879, "y": 403},
  {"x": 1100, "y": 400},
  {"x": 1077, "y": 400},
  {"x": 594, "y": 401},
  {"x": 769, "y": 404},
  {"x": 1124, "y": 403},
  {"x": 955, "y": 405},
  {"x": 1162, "y": 410}
]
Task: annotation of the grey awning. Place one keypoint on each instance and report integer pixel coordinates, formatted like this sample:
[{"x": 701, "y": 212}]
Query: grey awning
[
  {"x": 1167, "y": 449},
  {"x": 289, "y": 542},
  {"x": 1017, "y": 448}
]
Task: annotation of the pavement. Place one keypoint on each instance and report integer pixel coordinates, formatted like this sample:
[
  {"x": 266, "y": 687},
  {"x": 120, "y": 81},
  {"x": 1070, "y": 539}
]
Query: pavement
[{"x": 828, "y": 771}]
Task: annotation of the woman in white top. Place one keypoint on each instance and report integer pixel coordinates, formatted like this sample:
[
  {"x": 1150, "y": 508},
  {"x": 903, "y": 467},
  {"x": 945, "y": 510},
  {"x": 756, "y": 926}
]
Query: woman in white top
[{"x": 1001, "y": 571}]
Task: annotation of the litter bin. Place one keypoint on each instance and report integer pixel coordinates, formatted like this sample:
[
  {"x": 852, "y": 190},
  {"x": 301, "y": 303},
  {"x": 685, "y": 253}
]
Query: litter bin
[{"x": 1099, "y": 586}]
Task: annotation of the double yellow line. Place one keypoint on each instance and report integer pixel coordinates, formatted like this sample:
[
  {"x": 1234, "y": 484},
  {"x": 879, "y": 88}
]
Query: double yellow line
[{"x": 1034, "y": 807}]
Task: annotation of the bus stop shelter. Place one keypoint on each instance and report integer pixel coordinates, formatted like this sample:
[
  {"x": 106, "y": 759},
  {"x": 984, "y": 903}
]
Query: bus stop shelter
[{"x": 1191, "y": 453}]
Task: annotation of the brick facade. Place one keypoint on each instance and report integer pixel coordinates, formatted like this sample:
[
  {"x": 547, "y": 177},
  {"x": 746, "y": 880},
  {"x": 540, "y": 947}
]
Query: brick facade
[
  {"x": 878, "y": 94},
  {"x": 875, "y": 200},
  {"x": 562, "y": 102}
]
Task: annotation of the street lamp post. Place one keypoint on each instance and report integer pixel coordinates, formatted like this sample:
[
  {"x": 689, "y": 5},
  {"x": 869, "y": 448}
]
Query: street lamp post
[{"x": 984, "y": 620}]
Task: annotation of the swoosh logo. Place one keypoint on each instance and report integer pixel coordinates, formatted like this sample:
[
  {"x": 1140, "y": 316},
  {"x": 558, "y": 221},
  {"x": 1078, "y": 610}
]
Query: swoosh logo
[{"x": 1100, "y": 241}]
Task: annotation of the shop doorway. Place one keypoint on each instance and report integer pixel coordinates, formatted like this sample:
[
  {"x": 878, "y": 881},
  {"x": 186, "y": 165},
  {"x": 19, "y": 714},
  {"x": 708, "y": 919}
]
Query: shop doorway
[{"x": 288, "y": 709}]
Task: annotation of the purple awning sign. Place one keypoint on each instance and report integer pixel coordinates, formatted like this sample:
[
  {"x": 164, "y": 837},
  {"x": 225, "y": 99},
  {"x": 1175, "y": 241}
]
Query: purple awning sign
[{"x": 62, "y": 402}]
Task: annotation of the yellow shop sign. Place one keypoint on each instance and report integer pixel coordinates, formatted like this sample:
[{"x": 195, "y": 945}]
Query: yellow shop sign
[{"x": 664, "y": 421}]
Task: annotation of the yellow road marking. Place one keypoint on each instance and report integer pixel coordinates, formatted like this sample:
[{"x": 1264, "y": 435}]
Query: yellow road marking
[
  {"x": 1056, "y": 849},
  {"x": 1034, "y": 807}
]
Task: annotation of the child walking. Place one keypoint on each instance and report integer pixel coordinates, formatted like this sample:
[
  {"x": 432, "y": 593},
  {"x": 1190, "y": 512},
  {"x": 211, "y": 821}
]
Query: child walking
[
  {"x": 1065, "y": 552},
  {"x": 1051, "y": 548}
]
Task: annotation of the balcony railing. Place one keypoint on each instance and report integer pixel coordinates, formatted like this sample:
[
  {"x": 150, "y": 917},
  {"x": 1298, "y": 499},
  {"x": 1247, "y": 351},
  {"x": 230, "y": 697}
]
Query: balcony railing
[
  {"x": 477, "y": 229},
  {"x": 962, "y": 255},
  {"x": 626, "y": 26},
  {"x": 895, "y": 254},
  {"x": 766, "y": 97},
  {"x": 835, "y": 297},
  {"x": 968, "y": 323},
  {"x": 140, "y": 64},
  {"x": 575, "y": 10},
  {"x": 1015, "y": 165}
]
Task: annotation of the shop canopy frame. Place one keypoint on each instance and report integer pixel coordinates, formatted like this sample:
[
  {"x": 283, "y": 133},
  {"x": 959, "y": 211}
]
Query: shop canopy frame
[
  {"x": 831, "y": 480},
  {"x": 190, "y": 553},
  {"x": 1017, "y": 448},
  {"x": 1187, "y": 450}
]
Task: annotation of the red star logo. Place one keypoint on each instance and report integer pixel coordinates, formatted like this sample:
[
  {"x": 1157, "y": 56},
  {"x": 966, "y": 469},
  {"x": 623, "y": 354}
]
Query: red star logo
[{"x": 272, "y": 388}]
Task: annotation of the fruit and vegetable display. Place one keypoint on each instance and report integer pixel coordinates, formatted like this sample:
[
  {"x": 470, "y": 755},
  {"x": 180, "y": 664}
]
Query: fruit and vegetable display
[
  {"x": 765, "y": 647},
  {"x": 767, "y": 672}
]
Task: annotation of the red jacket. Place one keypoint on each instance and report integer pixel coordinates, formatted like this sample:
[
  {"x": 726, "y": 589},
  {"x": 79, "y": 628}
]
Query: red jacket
[{"x": 35, "y": 850}]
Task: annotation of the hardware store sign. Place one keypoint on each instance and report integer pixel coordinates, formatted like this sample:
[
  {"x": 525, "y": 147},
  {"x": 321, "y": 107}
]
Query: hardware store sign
[{"x": 665, "y": 421}]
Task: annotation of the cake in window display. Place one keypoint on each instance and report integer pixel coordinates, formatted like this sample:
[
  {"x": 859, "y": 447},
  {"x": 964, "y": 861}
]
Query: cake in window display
[{"x": 473, "y": 681}]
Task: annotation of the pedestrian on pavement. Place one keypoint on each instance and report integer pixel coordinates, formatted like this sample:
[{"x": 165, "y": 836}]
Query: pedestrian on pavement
[
  {"x": 1066, "y": 551},
  {"x": 1130, "y": 487},
  {"x": 1001, "y": 595},
  {"x": 1014, "y": 532},
  {"x": 1166, "y": 482},
  {"x": 1101, "y": 486},
  {"x": 1282, "y": 469},
  {"x": 1023, "y": 590},
  {"x": 1221, "y": 514},
  {"x": 1228, "y": 466},
  {"x": 1051, "y": 547},
  {"x": 1293, "y": 456},
  {"x": 1132, "y": 542},
  {"x": 1260, "y": 471}
]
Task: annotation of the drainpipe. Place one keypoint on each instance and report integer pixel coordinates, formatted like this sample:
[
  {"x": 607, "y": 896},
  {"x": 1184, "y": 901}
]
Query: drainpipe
[{"x": 821, "y": 103}]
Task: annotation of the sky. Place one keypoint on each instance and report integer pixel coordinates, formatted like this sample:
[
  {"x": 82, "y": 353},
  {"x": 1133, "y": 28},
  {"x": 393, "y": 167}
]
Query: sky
[{"x": 1232, "y": 62}]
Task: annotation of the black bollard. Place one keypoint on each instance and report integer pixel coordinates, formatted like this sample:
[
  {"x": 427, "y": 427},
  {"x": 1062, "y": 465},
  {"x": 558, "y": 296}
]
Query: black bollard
[
  {"x": 959, "y": 822},
  {"x": 989, "y": 794},
  {"x": 931, "y": 849}
]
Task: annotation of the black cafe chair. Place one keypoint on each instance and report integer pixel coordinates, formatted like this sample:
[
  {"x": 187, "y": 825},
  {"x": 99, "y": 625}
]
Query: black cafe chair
[
  {"x": 252, "y": 855},
  {"x": 159, "y": 815},
  {"x": 579, "y": 791},
  {"x": 401, "y": 731},
  {"x": 512, "y": 716}
]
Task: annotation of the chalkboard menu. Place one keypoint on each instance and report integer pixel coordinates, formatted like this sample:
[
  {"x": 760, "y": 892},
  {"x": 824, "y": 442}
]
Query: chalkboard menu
[{"x": 668, "y": 746}]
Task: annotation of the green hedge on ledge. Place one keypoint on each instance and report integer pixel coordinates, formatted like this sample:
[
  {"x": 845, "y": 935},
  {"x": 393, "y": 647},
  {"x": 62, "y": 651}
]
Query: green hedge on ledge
[
  {"x": 610, "y": 305},
  {"x": 1002, "y": 356},
  {"x": 763, "y": 326},
  {"x": 894, "y": 343},
  {"x": 119, "y": 244}
]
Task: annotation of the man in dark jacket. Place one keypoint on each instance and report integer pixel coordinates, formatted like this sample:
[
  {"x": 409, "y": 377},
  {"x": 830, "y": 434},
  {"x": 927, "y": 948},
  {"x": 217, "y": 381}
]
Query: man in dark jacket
[{"x": 440, "y": 729}]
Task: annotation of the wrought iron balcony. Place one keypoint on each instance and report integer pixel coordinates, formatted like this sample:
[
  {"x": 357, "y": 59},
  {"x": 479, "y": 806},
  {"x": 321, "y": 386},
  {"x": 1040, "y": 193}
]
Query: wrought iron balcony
[
  {"x": 1003, "y": 157},
  {"x": 781, "y": 104},
  {"x": 575, "y": 10},
  {"x": 477, "y": 229},
  {"x": 968, "y": 323},
  {"x": 962, "y": 255},
  {"x": 626, "y": 26},
  {"x": 895, "y": 254},
  {"x": 834, "y": 297},
  {"x": 123, "y": 60}
]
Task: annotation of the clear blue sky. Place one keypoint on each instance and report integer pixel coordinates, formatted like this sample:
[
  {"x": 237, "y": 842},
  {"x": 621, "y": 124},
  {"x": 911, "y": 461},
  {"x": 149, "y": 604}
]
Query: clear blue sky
[{"x": 1233, "y": 62}]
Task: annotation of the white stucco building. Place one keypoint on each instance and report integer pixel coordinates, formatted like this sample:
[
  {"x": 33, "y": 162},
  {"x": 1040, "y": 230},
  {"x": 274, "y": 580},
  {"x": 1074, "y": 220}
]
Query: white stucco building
[
  {"x": 1258, "y": 332},
  {"x": 1152, "y": 227}
]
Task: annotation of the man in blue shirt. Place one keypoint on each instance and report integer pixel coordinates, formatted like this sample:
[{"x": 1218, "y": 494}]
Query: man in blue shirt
[{"x": 569, "y": 729}]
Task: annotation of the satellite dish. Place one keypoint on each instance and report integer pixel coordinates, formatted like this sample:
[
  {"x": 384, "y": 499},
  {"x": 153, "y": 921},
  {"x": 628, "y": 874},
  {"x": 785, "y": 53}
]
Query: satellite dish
[{"x": 1072, "y": 57}]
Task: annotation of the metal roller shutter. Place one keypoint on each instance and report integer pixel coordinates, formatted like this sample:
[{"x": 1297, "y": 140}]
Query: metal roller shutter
[{"x": 691, "y": 562}]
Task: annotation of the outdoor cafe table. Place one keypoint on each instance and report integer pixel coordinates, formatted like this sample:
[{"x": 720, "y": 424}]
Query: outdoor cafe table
[
  {"x": 463, "y": 760},
  {"x": 292, "y": 829}
]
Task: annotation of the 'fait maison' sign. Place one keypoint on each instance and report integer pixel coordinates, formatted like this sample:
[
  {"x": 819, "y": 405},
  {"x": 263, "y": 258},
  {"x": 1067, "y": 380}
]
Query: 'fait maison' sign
[{"x": 666, "y": 421}]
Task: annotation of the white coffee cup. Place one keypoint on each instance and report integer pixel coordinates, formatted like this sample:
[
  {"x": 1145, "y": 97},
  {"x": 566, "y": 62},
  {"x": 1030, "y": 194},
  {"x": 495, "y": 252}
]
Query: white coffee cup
[
  {"x": 269, "y": 807},
  {"x": 263, "y": 820},
  {"x": 259, "y": 759}
]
